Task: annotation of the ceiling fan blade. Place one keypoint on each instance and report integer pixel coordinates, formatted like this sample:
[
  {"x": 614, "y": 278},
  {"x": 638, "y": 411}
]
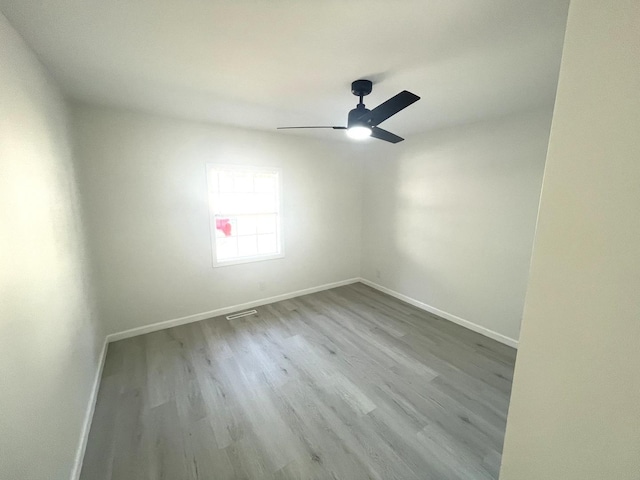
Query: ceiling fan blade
[
  {"x": 382, "y": 134},
  {"x": 389, "y": 108},
  {"x": 289, "y": 128}
]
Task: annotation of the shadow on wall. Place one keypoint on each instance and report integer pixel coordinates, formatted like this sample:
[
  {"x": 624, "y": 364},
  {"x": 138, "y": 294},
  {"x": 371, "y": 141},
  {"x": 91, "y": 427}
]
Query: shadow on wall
[{"x": 449, "y": 217}]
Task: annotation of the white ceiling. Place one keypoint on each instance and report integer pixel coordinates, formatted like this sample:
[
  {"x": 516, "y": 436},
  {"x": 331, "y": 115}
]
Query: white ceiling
[{"x": 268, "y": 63}]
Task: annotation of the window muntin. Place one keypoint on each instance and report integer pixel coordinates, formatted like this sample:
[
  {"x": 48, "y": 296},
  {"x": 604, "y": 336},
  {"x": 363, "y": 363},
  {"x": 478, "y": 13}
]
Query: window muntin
[{"x": 245, "y": 209}]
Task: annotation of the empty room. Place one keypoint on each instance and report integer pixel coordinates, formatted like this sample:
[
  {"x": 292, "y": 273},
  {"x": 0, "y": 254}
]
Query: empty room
[{"x": 319, "y": 240}]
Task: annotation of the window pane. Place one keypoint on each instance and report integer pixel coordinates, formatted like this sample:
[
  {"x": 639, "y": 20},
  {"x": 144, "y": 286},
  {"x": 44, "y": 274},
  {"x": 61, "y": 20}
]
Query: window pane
[
  {"x": 226, "y": 248},
  {"x": 266, "y": 223},
  {"x": 267, "y": 244},
  {"x": 225, "y": 203},
  {"x": 265, "y": 202},
  {"x": 244, "y": 203},
  {"x": 247, "y": 246},
  {"x": 247, "y": 225},
  {"x": 265, "y": 183},
  {"x": 225, "y": 181},
  {"x": 243, "y": 182}
]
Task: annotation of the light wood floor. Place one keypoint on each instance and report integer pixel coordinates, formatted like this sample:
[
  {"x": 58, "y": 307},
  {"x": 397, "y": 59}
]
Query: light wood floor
[{"x": 343, "y": 384}]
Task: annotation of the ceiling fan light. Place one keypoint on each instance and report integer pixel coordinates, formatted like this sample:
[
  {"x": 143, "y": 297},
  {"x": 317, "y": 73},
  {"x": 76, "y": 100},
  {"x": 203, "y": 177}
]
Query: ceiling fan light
[{"x": 359, "y": 132}]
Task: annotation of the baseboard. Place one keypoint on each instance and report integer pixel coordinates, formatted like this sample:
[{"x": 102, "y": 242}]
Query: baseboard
[
  {"x": 88, "y": 417},
  {"x": 256, "y": 303},
  {"x": 441, "y": 313},
  {"x": 154, "y": 327}
]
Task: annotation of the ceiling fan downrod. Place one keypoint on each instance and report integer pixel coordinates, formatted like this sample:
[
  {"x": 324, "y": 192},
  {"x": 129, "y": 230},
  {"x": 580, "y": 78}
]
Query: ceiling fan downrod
[{"x": 361, "y": 88}]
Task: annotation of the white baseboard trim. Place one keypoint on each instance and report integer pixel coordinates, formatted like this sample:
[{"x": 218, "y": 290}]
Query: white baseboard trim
[
  {"x": 234, "y": 308},
  {"x": 154, "y": 327},
  {"x": 441, "y": 313},
  {"x": 88, "y": 416}
]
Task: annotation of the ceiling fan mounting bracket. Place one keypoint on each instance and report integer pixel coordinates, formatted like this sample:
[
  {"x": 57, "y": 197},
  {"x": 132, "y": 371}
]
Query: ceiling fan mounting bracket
[{"x": 361, "y": 88}]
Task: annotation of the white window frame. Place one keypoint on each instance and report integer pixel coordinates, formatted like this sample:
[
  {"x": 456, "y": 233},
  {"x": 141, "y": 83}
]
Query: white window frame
[{"x": 212, "y": 221}]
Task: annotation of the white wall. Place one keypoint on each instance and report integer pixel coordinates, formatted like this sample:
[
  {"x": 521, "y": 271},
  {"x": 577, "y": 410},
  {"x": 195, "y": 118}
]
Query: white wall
[
  {"x": 449, "y": 217},
  {"x": 575, "y": 407},
  {"x": 143, "y": 180},
  {"x": 49, "y": 338}
]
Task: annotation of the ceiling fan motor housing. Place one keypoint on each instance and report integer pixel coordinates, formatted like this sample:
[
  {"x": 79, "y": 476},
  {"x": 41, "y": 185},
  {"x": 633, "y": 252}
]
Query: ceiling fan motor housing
[{"x": 356, "y": 114}]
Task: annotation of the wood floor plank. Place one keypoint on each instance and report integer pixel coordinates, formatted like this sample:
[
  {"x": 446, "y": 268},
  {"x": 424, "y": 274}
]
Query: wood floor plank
[
  {"x": 165, "y": 449},
  {"x": 98, "y": 457},
  {"x": 345, "y": 384},
  {"x": 129, "y": 446}
]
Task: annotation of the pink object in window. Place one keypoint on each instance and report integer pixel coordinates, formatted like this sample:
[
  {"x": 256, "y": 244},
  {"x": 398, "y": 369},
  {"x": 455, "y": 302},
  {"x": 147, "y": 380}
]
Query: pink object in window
[{"x": 224, "y": 226}]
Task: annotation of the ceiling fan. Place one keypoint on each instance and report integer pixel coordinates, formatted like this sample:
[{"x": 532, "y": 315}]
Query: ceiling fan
[{"x": 363, "y": 122}]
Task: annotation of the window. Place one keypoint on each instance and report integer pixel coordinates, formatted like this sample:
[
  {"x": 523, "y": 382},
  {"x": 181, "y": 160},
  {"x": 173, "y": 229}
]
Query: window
[{"x": 244, "y": 205}]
